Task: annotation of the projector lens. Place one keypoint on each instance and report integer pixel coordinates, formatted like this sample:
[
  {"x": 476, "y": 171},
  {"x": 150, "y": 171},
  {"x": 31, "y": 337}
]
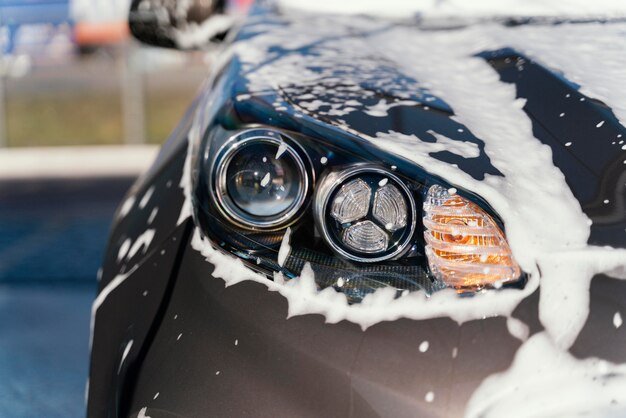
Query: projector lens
[{"x": 261, "y": 180}]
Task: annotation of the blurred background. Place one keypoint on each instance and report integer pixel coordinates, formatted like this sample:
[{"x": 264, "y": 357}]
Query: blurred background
[{"x": 83, "y": 108}]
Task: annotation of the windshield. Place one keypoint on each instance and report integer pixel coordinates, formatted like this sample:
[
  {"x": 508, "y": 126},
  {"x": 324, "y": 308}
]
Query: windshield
[{"x": 473, "y": 9}]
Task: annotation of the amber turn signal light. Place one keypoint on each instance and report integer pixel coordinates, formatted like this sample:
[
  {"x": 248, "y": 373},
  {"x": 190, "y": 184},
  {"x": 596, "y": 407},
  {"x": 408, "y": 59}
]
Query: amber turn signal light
[{"x": 465, "y": 247}]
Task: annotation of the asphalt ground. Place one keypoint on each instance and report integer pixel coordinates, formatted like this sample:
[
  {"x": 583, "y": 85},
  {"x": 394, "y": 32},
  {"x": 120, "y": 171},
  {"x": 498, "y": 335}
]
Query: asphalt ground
[{"x": 52, "y": 238}]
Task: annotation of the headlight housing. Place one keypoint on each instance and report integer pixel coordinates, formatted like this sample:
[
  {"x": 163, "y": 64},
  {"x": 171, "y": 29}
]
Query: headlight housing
[
  {"x": 365, "y": 213},
  {"x": 260, "y": 179},
  {"x": 360, "y": 224}
]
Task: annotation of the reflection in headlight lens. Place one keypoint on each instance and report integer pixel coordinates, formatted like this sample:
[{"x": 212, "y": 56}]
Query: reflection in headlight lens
[
  {"x": 261, "y": 184},
  {"x": 261, "y": 180}
]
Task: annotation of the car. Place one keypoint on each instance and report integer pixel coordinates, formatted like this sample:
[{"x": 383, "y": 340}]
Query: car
[{"x": 377, "y": 209}]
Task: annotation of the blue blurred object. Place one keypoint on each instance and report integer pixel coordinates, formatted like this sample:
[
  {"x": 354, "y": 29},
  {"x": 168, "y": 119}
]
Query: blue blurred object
[
  {"x": 17, "y": 13},
  {"x": 44, "y": 351},
  {"x": 28, "y": 12},
  {"x": 52, "y": 236},
  {"x": 54, "y": 231}
]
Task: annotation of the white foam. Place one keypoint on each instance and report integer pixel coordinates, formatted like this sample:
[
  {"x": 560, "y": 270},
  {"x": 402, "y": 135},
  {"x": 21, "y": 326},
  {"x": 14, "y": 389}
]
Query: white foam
[
  {"x": 146, "y": 197},
  {"x": 142, "y": 412},
  {"x": 382, "y": 305},
  {"x": 418, "y": 150},
  {"x": 124, "y": 355},
  {"x": 141, "y": 243},
  {"x": 430, "y": 397},
  {"x": 381, "y": 109},
  {"x": 281, "y": 149},
  {"x": 186, "y": 209},
  {"x": 566, "y": 276},
  {"x": 517, "y": 328},
  {"x": 403, "y": 9},
  {"x": 589, "y": 55},
  {"x": 127, "y": 206},
  {"x": 545, "y": 381},
  {"x": 121, "y": 254},
  {"x": 265, "y": 180},
  {"x": 153, "y": 215},
  {"x": 545, "y": 224},
  {"x": 285, "y": 248}
]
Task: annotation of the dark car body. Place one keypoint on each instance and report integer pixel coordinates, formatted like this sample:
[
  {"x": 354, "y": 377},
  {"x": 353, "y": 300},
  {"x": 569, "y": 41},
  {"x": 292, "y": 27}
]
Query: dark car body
[{"x": 170, "y": 340}]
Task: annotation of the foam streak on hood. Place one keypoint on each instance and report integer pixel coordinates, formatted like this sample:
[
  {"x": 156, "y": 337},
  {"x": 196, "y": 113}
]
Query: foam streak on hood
[{"x": 462, "y": 8}]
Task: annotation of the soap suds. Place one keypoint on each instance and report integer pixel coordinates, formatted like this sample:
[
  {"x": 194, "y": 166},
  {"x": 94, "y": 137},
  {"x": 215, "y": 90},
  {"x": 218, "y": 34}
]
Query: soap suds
[
  {"x": 129, "y": 345},
  {"x": 142, "y": 413},
  {"x": 265, "y": 180},
  {"x": 285, "y": 248},
  {"x": 451, "y": 9},
  {"x": 545, "y": 224},
  {"x": 146, "y": 197},
  {"x": 517, "y": 328},
  {"x": 281, "y": 149},
  {"x": 141, "y": 243},
  {"x": 121, "y": 254},
  {"x": 545, "y": 381},
  {"x": 153, "y": 215},
  {"x": 126, "y": 206}
]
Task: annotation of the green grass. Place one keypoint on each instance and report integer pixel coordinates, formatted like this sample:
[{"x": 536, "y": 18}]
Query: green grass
[
  {"x": 163, "y": 112},
  {"x": 96, "y": 119}
]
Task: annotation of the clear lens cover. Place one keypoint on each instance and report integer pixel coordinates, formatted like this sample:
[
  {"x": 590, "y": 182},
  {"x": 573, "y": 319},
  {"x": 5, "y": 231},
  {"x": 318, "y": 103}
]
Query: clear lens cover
[
  {"x": 260, "y": 179},
  {"x": 352, "y": 202},
  {"x": 390, "y": 208},
  {"x": 465, "y": 247},
  {"x": 366, "y": 237},
  {"x": 365, "y": 213},
  {"x": 261, "y": 184}
]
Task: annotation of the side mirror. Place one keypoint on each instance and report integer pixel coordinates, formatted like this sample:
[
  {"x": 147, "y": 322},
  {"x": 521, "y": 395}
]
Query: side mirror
[{"x": 182, "y": 24}]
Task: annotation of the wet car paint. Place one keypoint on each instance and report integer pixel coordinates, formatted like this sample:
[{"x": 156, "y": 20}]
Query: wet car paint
[{"x": 238, "y": 355}]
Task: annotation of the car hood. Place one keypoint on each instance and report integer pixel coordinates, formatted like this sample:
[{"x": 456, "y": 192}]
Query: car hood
[
  {"x": 521, "y": 116},
  {"x": 442, "y": 99},
  {"x": 463, "y": 10}
]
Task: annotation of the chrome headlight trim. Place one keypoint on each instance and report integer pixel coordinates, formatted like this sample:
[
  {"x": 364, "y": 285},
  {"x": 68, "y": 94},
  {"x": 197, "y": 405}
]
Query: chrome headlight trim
[{"x": 218, "y": 181}]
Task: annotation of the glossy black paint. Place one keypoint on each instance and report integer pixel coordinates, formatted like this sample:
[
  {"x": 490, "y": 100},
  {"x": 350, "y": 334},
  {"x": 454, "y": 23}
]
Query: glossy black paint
[
  {"x": 239, "y": 356},
  {"x": 126, "y": 324},
  {"x": 272, "y": 366},
  {"x": 590, "y": 157}
]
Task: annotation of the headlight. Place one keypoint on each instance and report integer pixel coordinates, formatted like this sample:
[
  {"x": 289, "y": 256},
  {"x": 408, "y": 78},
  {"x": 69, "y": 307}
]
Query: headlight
[
  {"x": 365, "y": 213},
  {"x": 361, "y": 227},
  {"x": 260, "y": 179}
]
